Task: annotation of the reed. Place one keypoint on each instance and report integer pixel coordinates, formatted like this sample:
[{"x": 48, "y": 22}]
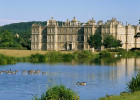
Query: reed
[
  {"x": 7, "y": 60},
  {"x": 134, "y": 84}
]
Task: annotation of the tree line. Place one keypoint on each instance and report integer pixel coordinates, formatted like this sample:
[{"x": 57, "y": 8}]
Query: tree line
[
  {"x": 9, "y": 38},
  {"x": 109, "y": 41}
]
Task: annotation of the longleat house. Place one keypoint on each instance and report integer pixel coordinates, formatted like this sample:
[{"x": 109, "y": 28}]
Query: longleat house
[{"x": 73, "y": 35}]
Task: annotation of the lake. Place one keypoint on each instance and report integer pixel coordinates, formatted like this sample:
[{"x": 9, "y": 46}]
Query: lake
[{"x": 102, "y": 77}]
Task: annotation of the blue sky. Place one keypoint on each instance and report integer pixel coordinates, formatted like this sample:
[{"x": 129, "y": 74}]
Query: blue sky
[{"x": 12, "y": 11}]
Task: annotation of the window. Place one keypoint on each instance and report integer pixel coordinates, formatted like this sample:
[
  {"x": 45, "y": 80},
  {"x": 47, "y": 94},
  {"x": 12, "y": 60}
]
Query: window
[
  {"x": 65, "y": 30},
  {"x": 71, "y": 30},
  {"x": 59, "y": 30},
  {"x": 53, "y": 30},
  {"x": 86, "y": 30},
  {"x": 50, "y": 30}
]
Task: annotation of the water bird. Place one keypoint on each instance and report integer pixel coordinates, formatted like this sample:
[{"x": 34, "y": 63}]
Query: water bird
[
  {"x": 13, "y": 72},
  {"x": 16, "y": 71},
  {"x": 36, "y": 72},
  {"x": 81, "y": 83},
  {"x": 116, "y": 55},
  {"x": 44, "y": 73},
  {"x": 24, "y": 71},
  {"x": 1, "y": 72}
]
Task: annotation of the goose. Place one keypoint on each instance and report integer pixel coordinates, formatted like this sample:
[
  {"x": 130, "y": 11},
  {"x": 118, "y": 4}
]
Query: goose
[
  {"x": 1, "y": 72},
  {"x": 13, "y": 72},
  {"x": 16, "y": 71},
  {"x": 81, "y": 83},
  {"x": 24, "y": 71},
  {"x": 44, "y": 73}
]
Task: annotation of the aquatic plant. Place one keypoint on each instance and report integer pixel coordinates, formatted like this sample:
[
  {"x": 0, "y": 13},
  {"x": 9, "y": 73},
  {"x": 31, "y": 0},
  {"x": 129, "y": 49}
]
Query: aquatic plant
[
  {"x": 67, "y": 57},
  {"x": 58, "y": 93},
  {"x": 105, "y": 53},
  {"x": 53, "y": 56},
  {"x": 134, "y": 84},
  {"x": 129, "y": 53},
  {"x": 117, "y": 50},
  {"x": 7, "y": 60},
  {"x": 37, "y": 58},
  {"x": 82, "y": 54}
]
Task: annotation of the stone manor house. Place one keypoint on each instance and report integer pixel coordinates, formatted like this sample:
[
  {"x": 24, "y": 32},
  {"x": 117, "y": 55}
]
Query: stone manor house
[{"x": 73, "y": 35}]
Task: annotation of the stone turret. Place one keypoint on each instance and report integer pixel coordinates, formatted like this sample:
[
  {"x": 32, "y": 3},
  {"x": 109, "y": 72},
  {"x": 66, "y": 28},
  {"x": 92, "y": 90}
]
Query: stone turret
[
  {"x": 91, "y": 22},
  {"x": 52, "y": 22},
  {"x": 67, "y": 23},
  {"x": 74, "y": 22}
]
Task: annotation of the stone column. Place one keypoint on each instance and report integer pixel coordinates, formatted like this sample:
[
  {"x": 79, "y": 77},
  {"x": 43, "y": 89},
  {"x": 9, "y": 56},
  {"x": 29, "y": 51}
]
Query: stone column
[
  {"x": 39, "y": 38},
  {"x": 55, "y": 39}
]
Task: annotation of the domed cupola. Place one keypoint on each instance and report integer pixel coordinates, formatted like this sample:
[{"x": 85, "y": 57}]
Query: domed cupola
[
  {"x": 51, "y": 22},
  {"x": 89, "y": 22},
  {"x": 74, "y": 22},
  {"x": 93, "y": 21}
]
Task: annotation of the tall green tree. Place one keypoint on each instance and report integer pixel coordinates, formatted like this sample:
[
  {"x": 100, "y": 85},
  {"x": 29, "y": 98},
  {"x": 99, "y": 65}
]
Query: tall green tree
[
  {"x": 95, "y": 41},
  {"x": 7, "y": 40},
  {"x": 26, "y": 41},
  {"x": 111, "y": 42}
]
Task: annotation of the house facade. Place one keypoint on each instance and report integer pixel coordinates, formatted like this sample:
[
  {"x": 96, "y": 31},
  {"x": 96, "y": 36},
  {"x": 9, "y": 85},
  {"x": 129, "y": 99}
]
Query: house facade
[{"x": 73, "y": 35}]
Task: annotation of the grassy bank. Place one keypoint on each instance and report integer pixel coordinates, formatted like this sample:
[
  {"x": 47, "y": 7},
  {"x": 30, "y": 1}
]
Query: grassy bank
[
  {"x": 133, "y": 91},
  {"x": 56, "y": 56},
  {"x": 25, "y": 53},
  {"x": 19, "y": 53},
  {"x": 124, "y": 96},
  {"x": 121, "y": 53},
  {"x": 44, "y": 56},
  {"x": 65, "y": 56}
]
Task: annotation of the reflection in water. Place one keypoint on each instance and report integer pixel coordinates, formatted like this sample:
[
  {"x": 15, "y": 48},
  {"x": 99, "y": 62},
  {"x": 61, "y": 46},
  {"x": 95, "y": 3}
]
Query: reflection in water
[{"x": 102, "y": 76}]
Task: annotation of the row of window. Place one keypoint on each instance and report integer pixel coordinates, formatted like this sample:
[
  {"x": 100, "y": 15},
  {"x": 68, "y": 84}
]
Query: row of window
[
  {"x": 63, "y": 30},
  {"x": 66, "y": 30},
  {"x": 70, "y": 38},
  {"x": 34, "y": 38}
]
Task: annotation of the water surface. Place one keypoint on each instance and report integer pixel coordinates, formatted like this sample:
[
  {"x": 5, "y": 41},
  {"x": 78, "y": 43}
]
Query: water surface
[{"x": 102, "y": 78}]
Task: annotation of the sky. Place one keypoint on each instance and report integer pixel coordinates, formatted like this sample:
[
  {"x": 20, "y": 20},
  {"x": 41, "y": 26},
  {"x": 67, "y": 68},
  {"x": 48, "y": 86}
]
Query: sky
[{"x": 13, "y": 11}]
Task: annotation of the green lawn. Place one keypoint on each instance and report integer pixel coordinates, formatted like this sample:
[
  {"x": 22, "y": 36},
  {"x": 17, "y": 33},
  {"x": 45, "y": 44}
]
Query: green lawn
[{"x": 123, "y": 96}]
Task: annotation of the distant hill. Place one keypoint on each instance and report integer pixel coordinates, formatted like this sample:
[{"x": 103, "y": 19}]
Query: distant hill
[
  {"x": 23, "y": 28},
  {"x": 24, "y": 31}
]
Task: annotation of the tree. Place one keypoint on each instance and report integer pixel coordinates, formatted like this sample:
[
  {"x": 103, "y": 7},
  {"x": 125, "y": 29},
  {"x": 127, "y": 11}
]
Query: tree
[
  {"x": 95, "y": 41},
  {"x": 111, "y": 42},
  {"x": 7, "y": 40},
  {"x": 26, "y": 41}
]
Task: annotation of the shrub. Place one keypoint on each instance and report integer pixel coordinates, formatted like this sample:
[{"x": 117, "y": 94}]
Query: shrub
[
  {"x": 67, "y": 57},
  {"x": 105, "y": 53},
  {"x": 134, "y": 84},
  {"x": 7, "y": 60},
  {"x": 53, "y": 56},
  {"x": 82, "y": 54},
  {"x": 127, "y": 53},
  {"x": 117, "y": 50},
  {"x": 37, "y": 58},
  {"x": 137, "y": 52},
  {"x": 59, "y": 93}
]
